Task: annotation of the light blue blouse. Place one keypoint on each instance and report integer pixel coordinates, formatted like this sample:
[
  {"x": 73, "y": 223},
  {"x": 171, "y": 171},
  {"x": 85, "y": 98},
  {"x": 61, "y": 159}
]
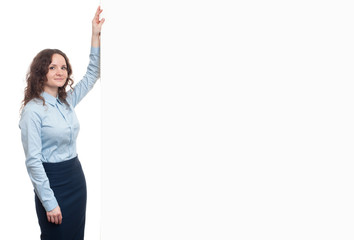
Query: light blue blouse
[{"x": 49, "y": 132}]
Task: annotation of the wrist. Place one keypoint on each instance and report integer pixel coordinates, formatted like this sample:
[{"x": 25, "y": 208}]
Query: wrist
[
  {"x": 96, "y": 35},
  {"x": 95, "y": 41}
]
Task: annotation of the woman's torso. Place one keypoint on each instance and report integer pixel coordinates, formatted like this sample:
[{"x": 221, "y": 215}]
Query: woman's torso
[{"x": 59, "y": 128}]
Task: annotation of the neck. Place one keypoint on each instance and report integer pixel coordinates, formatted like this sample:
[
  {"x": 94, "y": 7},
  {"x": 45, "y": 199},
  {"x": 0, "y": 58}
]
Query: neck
[{"x": 51, "y": 91}]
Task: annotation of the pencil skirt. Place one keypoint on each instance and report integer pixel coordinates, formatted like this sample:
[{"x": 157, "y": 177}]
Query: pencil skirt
[{"x": 68, "y": 183}]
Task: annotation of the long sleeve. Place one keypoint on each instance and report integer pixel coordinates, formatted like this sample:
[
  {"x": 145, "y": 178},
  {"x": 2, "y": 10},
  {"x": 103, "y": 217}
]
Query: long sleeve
[
  {"x": 30, "y": 125},
  {"x": 88, "y": 81}
]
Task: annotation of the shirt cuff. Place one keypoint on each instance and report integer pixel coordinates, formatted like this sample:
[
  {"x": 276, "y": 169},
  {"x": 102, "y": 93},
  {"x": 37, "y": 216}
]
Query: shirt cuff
[
  {"x": 50, "y": 205},
  {"x": 95, "y": 50}
]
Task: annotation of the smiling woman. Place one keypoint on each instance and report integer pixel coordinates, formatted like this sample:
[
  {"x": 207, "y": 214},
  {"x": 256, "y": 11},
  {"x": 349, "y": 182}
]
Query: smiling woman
[
  {"x": 49, "y": 129},
  {"x": 50, "y": 72}
]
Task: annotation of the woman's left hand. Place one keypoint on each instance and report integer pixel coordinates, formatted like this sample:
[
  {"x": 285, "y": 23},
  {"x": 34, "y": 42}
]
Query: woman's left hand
[{"x": 97, "y": 23}]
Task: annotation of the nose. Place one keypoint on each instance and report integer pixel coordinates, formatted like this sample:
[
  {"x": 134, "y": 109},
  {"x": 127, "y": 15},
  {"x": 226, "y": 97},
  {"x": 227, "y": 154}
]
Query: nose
[{"x": 60, "y": 72}]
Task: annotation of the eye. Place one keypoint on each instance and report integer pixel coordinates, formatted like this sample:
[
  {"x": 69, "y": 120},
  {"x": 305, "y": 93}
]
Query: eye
[
  {"x": 51, "y": 68},
  {"x": 64, "y": 68}
]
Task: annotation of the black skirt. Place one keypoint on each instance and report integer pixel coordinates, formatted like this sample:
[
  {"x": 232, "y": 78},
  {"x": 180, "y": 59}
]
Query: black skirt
[{"x": 68, "y": 183}]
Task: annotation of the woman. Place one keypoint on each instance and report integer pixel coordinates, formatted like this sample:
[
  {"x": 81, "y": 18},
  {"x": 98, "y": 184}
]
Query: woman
[{"x": 49, "y": 129}]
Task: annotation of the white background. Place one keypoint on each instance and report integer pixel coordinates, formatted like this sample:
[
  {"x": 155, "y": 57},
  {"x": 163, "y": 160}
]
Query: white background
[
  {"x": 228, "y": 120},
  {"x": 220, "y": 119}
]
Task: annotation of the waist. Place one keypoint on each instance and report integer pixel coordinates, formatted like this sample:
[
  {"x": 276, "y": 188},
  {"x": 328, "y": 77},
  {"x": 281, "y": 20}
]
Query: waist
[
  {"x": 55, "y": 154},
  {"x": 63, "y": 166}
]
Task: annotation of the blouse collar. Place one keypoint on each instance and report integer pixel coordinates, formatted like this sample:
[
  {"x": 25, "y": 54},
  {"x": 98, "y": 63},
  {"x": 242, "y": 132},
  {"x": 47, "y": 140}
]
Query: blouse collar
[{"x": 50, "y": 99}]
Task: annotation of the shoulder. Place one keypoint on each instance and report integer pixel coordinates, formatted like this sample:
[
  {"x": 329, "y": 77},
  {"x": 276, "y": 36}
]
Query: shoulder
[
  {"x": 35, "y": 104},
  {"x": 33, "y": 108},
  {"x": 69, "y": 96}
]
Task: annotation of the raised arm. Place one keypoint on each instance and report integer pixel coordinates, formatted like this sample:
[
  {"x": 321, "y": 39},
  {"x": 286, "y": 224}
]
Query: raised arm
[
  {"x": 93, "y": 69},
  {"x": 96, "y": 28}
]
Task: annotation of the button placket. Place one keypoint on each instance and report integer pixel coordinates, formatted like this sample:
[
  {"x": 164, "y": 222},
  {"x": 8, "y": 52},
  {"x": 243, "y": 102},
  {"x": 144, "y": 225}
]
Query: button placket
[{"x": 64, "y": 113}]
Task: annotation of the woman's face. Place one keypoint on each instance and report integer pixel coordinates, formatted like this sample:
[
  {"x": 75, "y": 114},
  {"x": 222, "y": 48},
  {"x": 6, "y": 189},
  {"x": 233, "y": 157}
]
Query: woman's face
[{"x": 57, "y": 72}]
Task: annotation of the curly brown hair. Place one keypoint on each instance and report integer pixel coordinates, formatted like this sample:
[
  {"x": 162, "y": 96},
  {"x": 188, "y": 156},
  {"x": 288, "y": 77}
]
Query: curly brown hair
[{"x": 36, "y": 76}]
